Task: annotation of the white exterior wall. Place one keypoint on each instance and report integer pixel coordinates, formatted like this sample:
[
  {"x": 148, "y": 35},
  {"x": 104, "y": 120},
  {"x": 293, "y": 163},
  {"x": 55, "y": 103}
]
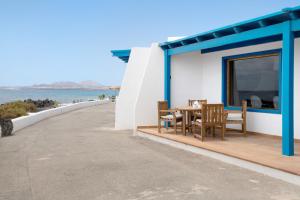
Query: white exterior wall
[
  {"x": 151, "y": 90},
  {"x": 125, "y": 103},
  {"x": 297, "y": 89},
  {"x": 199, "y": 76},
  {"x": 142, "y": 87}
]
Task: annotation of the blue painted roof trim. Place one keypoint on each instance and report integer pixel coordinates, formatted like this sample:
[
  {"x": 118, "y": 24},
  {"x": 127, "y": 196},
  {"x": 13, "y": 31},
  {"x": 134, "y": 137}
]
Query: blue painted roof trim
[
  {"x": 122, "y": 54},
  {"x": 260, "y": 22}
]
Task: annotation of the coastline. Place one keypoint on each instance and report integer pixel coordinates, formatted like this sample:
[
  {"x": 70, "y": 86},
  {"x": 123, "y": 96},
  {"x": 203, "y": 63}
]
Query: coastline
[
  {"x": 32, "y": 118},
  {"x": 60, "y": 95}
]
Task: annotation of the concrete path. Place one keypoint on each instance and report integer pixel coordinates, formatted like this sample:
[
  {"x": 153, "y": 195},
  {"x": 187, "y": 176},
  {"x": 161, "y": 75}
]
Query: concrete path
[{"x": 78, "y": 156}]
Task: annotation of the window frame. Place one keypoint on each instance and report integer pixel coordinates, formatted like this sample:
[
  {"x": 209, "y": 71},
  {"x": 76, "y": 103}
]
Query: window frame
[{"x": 225, "y": 79}]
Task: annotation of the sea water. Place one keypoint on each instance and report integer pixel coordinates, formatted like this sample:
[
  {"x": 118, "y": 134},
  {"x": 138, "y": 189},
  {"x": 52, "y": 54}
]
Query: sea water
[{"x": 60, "y": 95}]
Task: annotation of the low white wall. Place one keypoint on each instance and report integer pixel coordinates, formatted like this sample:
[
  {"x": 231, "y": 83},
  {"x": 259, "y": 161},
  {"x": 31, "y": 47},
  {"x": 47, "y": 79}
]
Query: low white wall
[{"x": 32, "y": 118}]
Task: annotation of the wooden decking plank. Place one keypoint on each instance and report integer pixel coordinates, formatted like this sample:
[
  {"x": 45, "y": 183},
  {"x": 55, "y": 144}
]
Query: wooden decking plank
[{"x": 256, "y": 148}]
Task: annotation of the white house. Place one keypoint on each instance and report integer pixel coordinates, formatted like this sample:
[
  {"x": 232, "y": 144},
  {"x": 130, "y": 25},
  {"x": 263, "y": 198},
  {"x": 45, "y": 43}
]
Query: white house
[{"x": 255, "y": 60}]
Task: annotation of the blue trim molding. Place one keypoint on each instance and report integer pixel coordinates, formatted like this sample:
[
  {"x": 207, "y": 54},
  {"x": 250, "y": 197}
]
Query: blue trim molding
[
  {"x": 122, "y": 54},
  {"x": 167, "y": 71},
  {"x": 224, "y": 80},
  {"x": 288, "y": 90},
  {"x": 243, "y": 44}
]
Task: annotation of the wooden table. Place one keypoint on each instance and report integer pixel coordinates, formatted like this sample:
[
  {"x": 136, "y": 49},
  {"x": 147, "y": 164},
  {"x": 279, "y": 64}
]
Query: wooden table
[{"x": 185, "y": 111}]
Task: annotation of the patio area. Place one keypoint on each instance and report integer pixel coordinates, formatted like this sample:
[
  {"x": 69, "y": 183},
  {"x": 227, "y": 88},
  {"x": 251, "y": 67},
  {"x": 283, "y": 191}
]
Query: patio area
[{"x": 257, "y": 148}]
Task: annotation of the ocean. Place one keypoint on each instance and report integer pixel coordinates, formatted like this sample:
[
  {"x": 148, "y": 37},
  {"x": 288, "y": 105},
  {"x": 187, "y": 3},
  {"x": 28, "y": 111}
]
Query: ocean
[{"x": 60, "y": 95}]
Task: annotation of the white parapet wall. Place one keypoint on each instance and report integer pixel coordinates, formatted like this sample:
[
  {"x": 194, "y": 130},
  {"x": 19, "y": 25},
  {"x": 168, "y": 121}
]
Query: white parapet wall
[
  {"x": 151, "y": 89},
  {"x": 141, "y": 88},
  {"x": 125, "y": 103},
  {"x": 25, "y": 121}
]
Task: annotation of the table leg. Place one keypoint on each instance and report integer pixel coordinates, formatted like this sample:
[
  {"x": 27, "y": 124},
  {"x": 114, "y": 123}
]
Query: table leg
[
  {"x": 189, "y": 121},
  {"x": 183, "y": 122}
]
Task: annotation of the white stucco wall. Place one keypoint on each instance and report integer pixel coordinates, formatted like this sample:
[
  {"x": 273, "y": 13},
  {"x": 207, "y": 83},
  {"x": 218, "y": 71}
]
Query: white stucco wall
[
  {"x": 196, "y": 75},
  {"x": 141, "y": 88},
  {"x": 33, "y": 118},
  {"x": 151, "y": 90},
  {"x": 125, "y": 103},
  {"x": 297, "y": 89}
]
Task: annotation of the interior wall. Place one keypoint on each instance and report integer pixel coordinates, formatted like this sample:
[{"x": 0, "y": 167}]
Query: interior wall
[{"x": 196, "y": 75}]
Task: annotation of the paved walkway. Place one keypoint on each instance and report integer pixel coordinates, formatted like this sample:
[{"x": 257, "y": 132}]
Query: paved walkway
[{"x": 78, "y": 156}]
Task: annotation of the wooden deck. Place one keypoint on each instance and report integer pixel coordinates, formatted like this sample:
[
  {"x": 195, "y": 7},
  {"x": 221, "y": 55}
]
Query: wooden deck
[{"x": 258, "y": 148}]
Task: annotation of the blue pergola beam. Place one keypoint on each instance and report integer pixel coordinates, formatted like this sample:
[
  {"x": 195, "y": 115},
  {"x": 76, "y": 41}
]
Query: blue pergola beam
[
  {"x": 293, "y": 15},
  {"x": 198, "y": 39},
  {"x": 267, "y": 20},
  {"x": 295, "y": 25},
  {"x": 237, "y": 29},
  {"x": 262, "y": 23},
  {"x": 287, "y": 97},
  {"x": 216, "y": 35},
  {"x": 230, "y": 39}
]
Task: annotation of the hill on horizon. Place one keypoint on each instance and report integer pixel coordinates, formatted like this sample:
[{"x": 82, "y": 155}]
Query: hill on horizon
[{"x": 70, "y": 85}]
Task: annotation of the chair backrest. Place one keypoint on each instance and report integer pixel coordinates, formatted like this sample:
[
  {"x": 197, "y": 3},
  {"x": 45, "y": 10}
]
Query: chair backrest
[
  {"x": 200, "y": 101},
  {"x": 213, "y": 114},
  {"x": 162, "y": 105},
  {"x": 255, "y": 102},
  {"x": 244, "y": 109}
]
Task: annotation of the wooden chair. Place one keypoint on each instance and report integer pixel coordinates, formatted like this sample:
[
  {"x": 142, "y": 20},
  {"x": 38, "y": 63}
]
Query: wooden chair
[
  {"x": 238, "y": 117},
  {"x": 212, "y": 116},
  {"x": 168, "y": 115},
  {"x": 193, "y": 115}
]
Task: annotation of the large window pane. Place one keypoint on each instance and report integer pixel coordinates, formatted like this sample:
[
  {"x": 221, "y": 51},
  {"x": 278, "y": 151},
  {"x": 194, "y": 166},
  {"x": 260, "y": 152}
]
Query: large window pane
[{"x": 255, "y": 79}]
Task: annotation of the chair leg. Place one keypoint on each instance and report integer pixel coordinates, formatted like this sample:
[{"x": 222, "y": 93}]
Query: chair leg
[
  {"x": 189, "y": 121},
  {"x": 175, "y": 126},
  {"x": 244, "y": 129},
  {"x": 193, "y": 129},
  {"x": 223, "y": 132},
  {"x": 203, "y": 132},
  {"x": 159, "y": 126}
]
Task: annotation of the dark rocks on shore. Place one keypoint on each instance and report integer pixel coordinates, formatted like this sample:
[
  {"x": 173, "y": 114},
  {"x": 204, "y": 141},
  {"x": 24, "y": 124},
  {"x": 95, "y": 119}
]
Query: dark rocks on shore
[
  {"x": 42, "y": 104},
  {"x": 6, "y": 127}
]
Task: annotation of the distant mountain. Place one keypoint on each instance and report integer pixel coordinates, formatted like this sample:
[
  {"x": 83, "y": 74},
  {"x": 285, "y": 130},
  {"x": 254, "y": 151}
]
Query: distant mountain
[{"x": 91, "y": 85}]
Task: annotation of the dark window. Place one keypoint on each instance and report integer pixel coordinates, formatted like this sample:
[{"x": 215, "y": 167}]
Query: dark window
[{"x": 255, "y": 79}]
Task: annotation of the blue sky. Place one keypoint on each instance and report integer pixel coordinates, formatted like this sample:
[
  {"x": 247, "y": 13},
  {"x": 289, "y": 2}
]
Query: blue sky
[{"x": 44, "y": 41}]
